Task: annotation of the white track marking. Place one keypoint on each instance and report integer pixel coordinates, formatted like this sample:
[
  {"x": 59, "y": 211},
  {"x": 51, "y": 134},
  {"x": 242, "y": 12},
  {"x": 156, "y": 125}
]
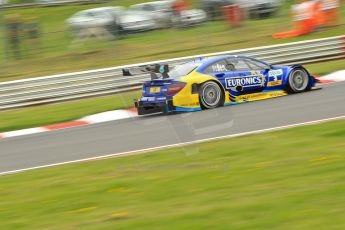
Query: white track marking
[
  {"x": 23, "y": 132},
  {"x": 92, "y": 119},
  {"x": 176, "y": 145},
  {"x": 336, "y": 76},
  {"x": 108, "y": 116}
]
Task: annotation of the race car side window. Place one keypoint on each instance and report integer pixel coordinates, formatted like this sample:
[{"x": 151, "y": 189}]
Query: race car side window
[
  {"x": 256, "y": 65},
  {"x": 238, "y": 63},
  {"x": 218, "y": 67},
  {"x": 182, "y": 70}
]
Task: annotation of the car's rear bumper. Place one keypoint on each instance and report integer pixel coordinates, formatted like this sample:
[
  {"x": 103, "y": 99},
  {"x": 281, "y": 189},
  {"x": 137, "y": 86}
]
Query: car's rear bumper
[{"x": 145, "y": 108}]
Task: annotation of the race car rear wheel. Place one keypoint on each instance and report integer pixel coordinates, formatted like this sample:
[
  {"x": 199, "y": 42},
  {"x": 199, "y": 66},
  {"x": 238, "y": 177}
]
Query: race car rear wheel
[
  {"x": 211, "y": 95},
  {"x": 298, "y": 80}
]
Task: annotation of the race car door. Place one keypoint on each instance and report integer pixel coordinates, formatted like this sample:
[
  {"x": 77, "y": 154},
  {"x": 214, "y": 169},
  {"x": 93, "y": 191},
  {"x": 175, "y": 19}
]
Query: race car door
[
  {"x": 274, "y": 76},
  {"x": 243, "y": 79}
]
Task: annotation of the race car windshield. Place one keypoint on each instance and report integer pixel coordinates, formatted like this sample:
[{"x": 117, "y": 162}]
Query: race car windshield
[{"x": 182, "y": 70}]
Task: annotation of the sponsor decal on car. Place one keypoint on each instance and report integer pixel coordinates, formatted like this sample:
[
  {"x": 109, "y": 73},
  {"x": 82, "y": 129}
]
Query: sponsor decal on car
[
  {"x": 275, "y": 83},
  {"x": 245, "y": 81},
  {"x": 275, "y": 77},
  {"x": 259, "y": 96},
  {"x": 190, "y": 104},
  {"x": 219, "y": 68},
  {"x": 275, "y": 72},
  {"x": 148, "y": 99}
]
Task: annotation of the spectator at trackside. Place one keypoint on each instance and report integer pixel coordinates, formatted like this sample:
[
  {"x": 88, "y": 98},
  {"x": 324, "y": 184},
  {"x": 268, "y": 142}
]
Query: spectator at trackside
[
  {"x": 178, "y": 6},
  {"x": 13, "y": 32},
  {"x": 330, "y": 12},
  {"x": 31, "y": 30},
  {"x": 303, "y": 16},
  {"x": 303, "y": 19}
]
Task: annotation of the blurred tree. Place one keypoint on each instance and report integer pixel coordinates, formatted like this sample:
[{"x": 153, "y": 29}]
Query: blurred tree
[
  {"x": 13, "y": 33},
  {"x": 31, "y": 34}
]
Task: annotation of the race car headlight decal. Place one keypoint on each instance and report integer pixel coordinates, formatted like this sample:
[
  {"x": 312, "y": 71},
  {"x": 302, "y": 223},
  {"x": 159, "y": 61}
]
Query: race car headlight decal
[{"x": 175, "y": 88}]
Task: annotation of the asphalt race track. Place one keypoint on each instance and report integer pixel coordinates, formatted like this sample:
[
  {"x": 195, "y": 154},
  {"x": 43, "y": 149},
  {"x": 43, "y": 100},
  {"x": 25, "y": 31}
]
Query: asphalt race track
[{"x": 145, "y": 132}]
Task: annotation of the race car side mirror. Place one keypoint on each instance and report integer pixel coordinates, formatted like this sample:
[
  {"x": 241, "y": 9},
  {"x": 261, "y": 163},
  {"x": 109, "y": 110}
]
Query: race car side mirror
[{"x": 268, "y": 68}]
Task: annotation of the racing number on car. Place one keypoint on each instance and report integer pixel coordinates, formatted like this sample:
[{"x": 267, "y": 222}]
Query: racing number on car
[{"x": 275, "y": 77}]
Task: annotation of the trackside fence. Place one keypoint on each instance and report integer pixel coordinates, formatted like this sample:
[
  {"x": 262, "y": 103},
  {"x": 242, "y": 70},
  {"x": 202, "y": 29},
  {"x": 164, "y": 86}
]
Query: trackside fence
[{"x": 70, "y": 86}]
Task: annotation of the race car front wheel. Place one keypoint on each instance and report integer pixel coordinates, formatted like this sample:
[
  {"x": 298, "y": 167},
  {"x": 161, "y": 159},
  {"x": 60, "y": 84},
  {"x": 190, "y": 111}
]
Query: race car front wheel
[
  {"x": 211, "y": 95},
  {"x": 298, "y": 80}
]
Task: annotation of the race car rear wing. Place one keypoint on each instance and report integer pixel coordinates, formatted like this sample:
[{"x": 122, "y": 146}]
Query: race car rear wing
[{"x": 157, "y": 71}]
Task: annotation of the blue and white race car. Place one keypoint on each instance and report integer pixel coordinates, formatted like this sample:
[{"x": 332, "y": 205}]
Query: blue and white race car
[{"x": 208, "y": 83}]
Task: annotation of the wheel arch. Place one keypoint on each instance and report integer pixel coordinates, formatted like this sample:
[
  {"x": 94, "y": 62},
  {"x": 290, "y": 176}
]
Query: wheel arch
[
  {"x": 218, "y": 83},
  {"x": 312, "y": 79},
  {"x": 296, "y": 67},
  {"x": 213, "y": 80}
]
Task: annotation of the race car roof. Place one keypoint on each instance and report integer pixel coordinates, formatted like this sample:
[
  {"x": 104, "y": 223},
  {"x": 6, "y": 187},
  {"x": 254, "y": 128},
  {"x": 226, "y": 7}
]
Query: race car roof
[
  {"x": 212, "y": 59},
  {"x": 203, "y": 62}
]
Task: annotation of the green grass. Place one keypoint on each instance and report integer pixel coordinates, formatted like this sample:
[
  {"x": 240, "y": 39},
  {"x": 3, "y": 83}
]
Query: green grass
[
  {"x": 326, "y": 67},
  {"x": 57, "y": 54},
  {"x": 67, "y": 111},
  {"x": 292, "y": 179}
]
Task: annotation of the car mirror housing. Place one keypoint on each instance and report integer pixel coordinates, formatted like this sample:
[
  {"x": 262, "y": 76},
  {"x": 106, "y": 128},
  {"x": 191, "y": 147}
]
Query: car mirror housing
[{"x": 269, "y": 67}]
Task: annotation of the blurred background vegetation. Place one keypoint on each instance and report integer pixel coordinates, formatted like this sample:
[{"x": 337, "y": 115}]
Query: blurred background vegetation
[{"x": 56, "y": 52}]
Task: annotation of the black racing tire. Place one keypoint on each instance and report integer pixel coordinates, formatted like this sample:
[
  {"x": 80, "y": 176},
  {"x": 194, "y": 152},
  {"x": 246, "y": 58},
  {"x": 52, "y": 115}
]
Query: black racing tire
[
  {"x": 298, "y": 81},
  {"x": 211, "y": 95}
]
